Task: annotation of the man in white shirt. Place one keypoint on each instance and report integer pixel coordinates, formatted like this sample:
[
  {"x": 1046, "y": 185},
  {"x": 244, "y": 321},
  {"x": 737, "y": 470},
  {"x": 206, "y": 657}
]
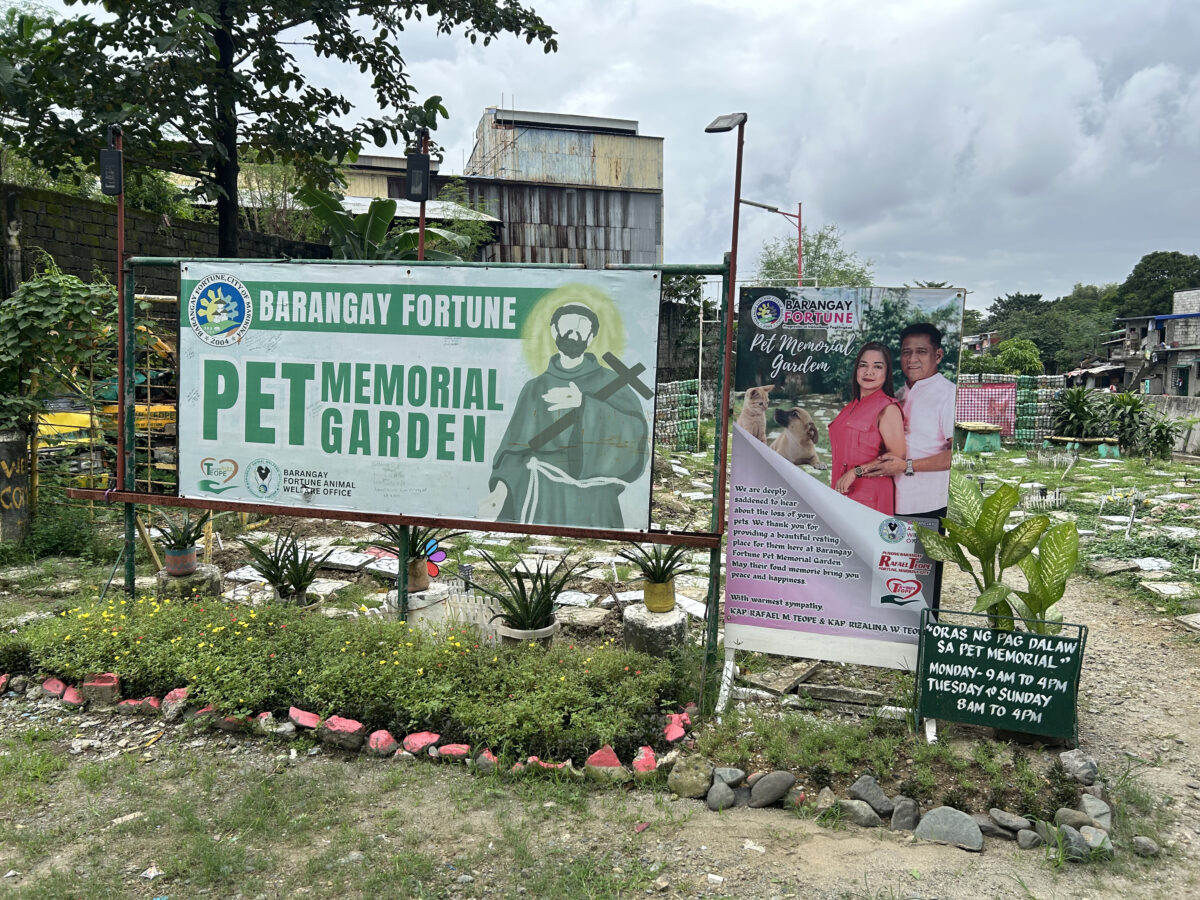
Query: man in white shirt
[{"x": 927, "y": 400}]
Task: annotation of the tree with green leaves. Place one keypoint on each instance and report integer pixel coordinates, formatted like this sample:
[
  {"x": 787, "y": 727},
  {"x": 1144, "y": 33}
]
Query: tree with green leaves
[
  {"x": 1150, "y": 287},
  {"x": 1019, "y": 357},
  {"x": 827, "y": 260},
  {"x": 196, "y": 84},
  {"x": 972, "y": 321}
]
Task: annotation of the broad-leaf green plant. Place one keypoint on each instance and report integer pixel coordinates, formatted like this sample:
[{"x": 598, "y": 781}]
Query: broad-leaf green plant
[
  {"x": 975, "y": 525},
  {"x": 1077, "y": 414},
  {"x": 369, "y": 235},
  {"x": 51, "y": 331},
  {"x": 529, "y": 599},
  {"x": 1128, "y": 419}
]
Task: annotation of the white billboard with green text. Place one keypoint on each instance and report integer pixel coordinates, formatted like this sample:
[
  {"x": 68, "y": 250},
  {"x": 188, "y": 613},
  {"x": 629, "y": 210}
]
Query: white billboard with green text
[{"x": 495, "y": 394}]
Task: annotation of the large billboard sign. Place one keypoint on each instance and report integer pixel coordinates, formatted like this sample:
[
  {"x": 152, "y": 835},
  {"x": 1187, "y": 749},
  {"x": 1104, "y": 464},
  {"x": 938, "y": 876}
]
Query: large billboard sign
[
  {"x": 517, "y": 395},
  {"x": 842, "y": 441}
]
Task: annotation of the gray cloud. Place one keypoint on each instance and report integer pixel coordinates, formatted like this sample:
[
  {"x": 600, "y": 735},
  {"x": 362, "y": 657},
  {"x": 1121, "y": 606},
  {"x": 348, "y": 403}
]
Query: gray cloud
[{"x": 1000, "y": 146}]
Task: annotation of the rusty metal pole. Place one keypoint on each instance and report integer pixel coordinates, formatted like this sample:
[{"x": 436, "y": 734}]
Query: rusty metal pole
[{"x": 799, "y": 246}]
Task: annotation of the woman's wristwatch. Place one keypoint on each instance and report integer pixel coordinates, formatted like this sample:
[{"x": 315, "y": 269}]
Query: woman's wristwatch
[{"x": 858, "y": 471}]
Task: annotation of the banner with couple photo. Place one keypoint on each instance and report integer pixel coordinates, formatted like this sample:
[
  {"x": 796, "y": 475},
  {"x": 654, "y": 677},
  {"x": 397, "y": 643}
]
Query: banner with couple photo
[{"x": 841, "y": 442}]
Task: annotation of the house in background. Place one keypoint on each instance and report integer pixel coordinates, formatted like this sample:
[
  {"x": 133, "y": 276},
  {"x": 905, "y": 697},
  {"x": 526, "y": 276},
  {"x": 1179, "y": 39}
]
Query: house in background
[
  {"x": 1160, "y": 354},
  {"x": 980, "y": 343}
]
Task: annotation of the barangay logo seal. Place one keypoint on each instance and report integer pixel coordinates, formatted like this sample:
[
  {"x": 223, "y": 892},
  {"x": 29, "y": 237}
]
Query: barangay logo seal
[
  {"x": 220, "y": 310},
  {"x": 893, "y": 530},
  {"x": 767, "y": 313},
  {"x": 264, "y": 478}
]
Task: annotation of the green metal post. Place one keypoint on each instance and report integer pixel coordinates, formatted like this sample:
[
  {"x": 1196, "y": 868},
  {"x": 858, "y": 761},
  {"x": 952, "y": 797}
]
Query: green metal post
[
  {"x": 127, "y": 406},
  {"x": 402, "y": 574},
  {"x": 712, "y": 606}
]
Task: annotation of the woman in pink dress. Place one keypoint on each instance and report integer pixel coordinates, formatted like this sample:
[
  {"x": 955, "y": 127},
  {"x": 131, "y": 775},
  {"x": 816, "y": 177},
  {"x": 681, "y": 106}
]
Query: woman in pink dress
[{"x": 870, "y": 424}]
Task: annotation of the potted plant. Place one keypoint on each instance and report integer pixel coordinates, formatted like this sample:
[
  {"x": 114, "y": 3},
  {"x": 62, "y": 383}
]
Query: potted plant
[
  {"x": 287, "y": 566},
  {"x": 179, "y": 542},
  {"x": 659, "y": 565},
  {"x": 1045, "y": 554},
  {"x": 528, "y": 602},
  {"x": 424, "y": 551}
]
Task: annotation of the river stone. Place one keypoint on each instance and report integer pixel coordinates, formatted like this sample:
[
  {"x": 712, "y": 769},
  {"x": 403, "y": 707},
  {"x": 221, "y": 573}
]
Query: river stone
[
  {"x": 1072, "y": 817},
  {"x": 1027, "y": 839},
  {"x": 658, "y": 634},
  {"x": 860, "y": 813},
  {"x": 720, "y": 796},
  {"x": 770, "y": 789},
  {"x": 1100, "y": 812},
  {"x": 950, "y": 826},
  {"x": 1047, "y": 832},
  {"x": 1079, "y": 766},
  {"x": 990, "y": 829},
  {"x": 825, "y": 799},
  {"x": 868, "y": 789},
  {"x": 691, "y": 777},
  {"x": 1075, "y": 848},
  {"x": 905, "y": 814},
  {"x": 1143, "y": 846},
  {"x": 1008, "y": 820},
  {"x": 1098, "y": 842},
  {"x": 732, "y": 777}
]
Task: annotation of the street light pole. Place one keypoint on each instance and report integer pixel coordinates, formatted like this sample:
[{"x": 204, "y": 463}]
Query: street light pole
[
  {"x": 721, "y": 124},
  {"x": 712, "y": 605}
]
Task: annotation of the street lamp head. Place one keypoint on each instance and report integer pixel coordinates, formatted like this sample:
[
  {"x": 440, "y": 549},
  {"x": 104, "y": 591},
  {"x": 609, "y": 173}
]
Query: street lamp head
[
  {"x": 765, "y": 206},
  {"x": 726, "y": 123}
]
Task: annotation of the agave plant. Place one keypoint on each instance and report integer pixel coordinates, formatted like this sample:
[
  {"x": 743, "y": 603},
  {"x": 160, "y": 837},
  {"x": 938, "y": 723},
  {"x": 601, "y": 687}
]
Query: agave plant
[
  {"x": 287, "y": 566},
  {"x": 660, "y": 563},
  {"x": 181, "y": 535},
  {"x": 529, "y": 598},
  {"x": 1047, "y": 555}
]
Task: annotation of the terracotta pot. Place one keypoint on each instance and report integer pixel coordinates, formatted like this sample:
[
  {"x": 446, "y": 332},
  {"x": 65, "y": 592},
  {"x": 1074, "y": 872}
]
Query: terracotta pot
[
  {"x": 659, "y": 596},
  {"x": 418, "y": 575},
  {"x": 180, "y": 561},
  {"x": 514, "y": 636}
]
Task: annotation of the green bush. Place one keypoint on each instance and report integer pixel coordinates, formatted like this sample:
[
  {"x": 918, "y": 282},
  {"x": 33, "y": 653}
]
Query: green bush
[
  {"x": 553, "y": 702},
  {"x": 14, "y": 655}
]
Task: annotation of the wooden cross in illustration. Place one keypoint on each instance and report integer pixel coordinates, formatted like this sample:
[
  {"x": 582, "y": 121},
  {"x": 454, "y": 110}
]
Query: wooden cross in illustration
[{"x": 625, "y": 375}]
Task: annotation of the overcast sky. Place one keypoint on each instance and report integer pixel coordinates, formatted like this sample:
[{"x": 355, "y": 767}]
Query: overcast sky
[{"x": 1000, "y": 146}]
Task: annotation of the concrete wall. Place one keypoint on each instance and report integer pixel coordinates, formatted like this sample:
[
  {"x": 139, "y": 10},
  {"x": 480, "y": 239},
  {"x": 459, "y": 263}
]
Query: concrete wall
[
  {"x": 1185, "y": 408},
  {"x": 81, "y": 236}
]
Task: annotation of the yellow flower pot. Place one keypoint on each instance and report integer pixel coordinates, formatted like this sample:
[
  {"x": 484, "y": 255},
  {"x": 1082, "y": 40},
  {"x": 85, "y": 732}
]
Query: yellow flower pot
[{"x": 660, "y": 596}]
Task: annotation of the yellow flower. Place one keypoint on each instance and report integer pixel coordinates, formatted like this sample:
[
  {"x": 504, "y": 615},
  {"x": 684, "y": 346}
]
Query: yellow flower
[
  {"x": 249, "y": 639},
  {"x": 299, "y": 671}
]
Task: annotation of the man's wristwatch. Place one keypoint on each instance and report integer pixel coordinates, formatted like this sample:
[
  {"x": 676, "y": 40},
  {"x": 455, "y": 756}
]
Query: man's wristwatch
[
  {"x": 858, "y": 470},
  {"x": 908, "y": 469}
]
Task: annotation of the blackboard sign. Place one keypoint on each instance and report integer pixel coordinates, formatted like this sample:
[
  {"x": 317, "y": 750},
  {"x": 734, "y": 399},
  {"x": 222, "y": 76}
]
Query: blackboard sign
[{"x": 971, "y": 673}]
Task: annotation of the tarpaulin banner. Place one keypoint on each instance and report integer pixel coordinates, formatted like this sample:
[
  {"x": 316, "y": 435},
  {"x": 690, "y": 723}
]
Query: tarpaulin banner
[
  {"x": 842, "y": 441},
  {"x": 520, "y": 395}
]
